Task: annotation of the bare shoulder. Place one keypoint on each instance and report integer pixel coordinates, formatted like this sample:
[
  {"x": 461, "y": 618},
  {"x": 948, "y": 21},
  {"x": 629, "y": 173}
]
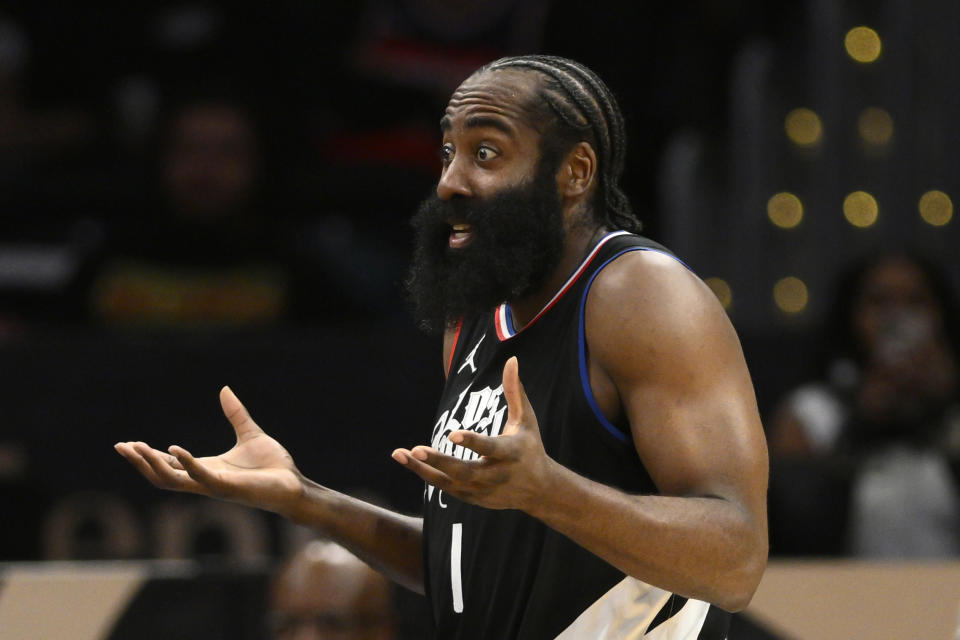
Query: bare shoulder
[
  {"x": 641, "y": 275},
  {"x": 647, "y": 307},
  {"x": 662, "y": 350}
]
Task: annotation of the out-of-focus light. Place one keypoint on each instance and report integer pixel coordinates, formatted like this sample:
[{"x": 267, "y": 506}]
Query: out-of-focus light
[
  {"x": 790, "y": 295},
  {"x": 860, "y": 209},
  {"x": 785, "y": 210},
  {"x": 875, "y": 126},
  {"x": 722, "y": 290},
  {"x": 863, "y": 44},
  {"x": 803, "y": 127},
  {"x": 936, "y": 208}
]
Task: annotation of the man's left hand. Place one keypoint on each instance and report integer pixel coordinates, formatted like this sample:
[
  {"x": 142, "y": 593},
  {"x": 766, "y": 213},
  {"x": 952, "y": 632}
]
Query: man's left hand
[{"x": 513, "y": 470}]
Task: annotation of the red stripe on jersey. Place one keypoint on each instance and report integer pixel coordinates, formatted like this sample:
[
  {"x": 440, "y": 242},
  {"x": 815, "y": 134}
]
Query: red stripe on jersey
[
  {"x": 453, "y": 347},
  {"x": 503, "y": 329}
]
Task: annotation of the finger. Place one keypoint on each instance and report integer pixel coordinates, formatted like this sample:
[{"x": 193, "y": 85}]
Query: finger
[
  {"x": 426, "y": 472},
  {"x": 141, "y": 463},
  {"x": 170, "y": 478},
  {"x": 492, "y": 447},
  {"x": 460, "y": 471},
  {"x": 126, "y": 450},
  {"x": 237, "y": 414},
  {"x": 518, "y": 406},
  {"x": 196, "y": 470},
  {"x": 172, "y": 461}
]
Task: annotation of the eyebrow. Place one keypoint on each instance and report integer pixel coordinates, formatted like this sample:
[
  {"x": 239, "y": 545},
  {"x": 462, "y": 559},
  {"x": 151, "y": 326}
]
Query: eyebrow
[{"x": 476, "y": 122}]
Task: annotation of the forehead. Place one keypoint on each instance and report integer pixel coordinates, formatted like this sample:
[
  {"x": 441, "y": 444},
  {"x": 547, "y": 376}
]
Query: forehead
[
  {"x": 897, "y": 274},
  {"x": 506, "y": 94}
]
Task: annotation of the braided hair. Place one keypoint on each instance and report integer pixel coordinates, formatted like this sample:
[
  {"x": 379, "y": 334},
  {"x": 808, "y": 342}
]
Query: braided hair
[{"x": 580, "y": 107}]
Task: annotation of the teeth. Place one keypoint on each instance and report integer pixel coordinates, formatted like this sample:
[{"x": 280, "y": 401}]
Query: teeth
[{"x": 461, "y": 228}]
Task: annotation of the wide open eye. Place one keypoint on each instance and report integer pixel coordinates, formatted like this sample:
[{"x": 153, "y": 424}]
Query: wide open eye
[
  {"x": 485, "y": 153},
  {"x": 446, "y": 153}
]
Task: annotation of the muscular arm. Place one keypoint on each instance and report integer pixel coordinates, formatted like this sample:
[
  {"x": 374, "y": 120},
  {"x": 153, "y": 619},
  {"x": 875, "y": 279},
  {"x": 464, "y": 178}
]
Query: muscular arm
[
  {"x": 663, "y": 351},
  {"x": 388, "y": 541}
]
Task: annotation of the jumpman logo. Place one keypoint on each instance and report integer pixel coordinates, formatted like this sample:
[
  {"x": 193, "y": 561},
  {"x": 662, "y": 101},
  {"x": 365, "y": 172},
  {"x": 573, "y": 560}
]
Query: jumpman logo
[{"x": 469, "y": 360}]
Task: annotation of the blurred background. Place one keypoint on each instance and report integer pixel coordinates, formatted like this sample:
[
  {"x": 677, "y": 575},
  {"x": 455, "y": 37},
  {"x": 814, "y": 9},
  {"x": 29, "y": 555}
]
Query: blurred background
[{"x": 195, "y": 194}]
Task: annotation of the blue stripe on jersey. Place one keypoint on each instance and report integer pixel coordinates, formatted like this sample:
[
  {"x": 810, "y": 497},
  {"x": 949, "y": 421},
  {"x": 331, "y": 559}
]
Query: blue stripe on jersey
[
  {"x": 582, "y": 344},
  {"x": 508, "y": 318}
]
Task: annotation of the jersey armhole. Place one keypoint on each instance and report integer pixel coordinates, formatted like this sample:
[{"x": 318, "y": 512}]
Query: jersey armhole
[{"x": 615, "y": 431}]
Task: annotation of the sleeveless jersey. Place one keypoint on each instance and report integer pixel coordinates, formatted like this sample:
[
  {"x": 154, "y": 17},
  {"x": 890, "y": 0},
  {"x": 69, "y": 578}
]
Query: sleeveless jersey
[{"x": 501, "y": 573}]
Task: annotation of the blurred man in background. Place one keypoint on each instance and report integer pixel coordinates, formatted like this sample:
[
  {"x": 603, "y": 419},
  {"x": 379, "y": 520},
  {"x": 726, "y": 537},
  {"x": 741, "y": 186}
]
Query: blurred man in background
[
  {"x": 324, "y": 592},
  {"x": 199, "y": 253}
]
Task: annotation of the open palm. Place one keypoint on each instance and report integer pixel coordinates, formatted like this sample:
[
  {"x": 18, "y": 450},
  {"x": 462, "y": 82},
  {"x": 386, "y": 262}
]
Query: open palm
[{"x": 257, "y": 471}]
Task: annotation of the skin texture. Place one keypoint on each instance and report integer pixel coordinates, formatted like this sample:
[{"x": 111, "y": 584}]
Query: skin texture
[
  {"x": 662, "y": 352},
  {"x": 489, "y": 142}
]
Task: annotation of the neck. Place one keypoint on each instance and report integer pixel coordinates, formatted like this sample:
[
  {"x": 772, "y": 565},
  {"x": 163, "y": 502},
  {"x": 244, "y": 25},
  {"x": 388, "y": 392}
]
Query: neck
[{"x": 578, "y": 242}]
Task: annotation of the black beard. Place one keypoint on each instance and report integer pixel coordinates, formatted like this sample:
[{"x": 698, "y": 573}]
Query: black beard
[{"x": 517, "y": 242}]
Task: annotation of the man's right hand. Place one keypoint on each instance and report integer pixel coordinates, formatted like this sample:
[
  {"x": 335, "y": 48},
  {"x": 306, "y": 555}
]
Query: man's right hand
[{"x": 257, "y": 471}]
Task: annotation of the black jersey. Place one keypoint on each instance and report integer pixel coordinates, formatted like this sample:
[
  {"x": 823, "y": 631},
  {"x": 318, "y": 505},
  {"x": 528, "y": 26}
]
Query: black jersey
[{"x": 503, "y": 574}]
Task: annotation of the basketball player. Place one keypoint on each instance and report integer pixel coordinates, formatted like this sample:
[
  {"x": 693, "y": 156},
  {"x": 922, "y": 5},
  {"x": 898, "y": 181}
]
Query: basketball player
[{"x": 619, "y": 491}]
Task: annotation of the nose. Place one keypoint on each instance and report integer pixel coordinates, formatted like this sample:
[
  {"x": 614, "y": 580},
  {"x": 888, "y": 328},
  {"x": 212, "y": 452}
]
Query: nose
[{"x": 453, "y": 181}]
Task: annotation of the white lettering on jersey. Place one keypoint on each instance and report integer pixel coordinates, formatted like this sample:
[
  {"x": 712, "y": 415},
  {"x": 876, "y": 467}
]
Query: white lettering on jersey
[{"x": 483, "y": 412}]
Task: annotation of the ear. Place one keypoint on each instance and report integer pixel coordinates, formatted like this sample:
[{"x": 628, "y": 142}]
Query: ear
[{"x": 578, "y": 171}]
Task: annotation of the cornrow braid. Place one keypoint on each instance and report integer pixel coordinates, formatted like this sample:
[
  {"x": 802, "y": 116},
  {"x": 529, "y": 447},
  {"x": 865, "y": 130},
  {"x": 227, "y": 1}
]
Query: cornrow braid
[{"x": 585, "y": 109}]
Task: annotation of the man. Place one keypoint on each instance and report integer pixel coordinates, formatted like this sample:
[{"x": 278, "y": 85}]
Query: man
[
  {"x": 623, "y": 494},
  {"x": 197, "y": 254},
  {"x": 326, "y": 592}
]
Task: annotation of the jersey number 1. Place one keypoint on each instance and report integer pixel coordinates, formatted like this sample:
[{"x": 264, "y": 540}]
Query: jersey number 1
[{"x": 456, "y": 580}]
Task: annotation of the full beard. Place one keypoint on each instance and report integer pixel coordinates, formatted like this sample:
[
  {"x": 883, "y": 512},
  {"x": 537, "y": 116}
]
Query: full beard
[{"x": 517, "y": 241}]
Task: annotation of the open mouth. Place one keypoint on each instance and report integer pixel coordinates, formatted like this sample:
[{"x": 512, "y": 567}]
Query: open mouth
[{"x": 461, "y": 234}]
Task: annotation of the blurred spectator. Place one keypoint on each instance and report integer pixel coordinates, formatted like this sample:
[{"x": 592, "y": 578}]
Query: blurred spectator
[
  {"x": 324, "y": 592},
  {"x": 208, "y": 250},
  {"x": 211, "y": 165},
  {"x": 876, "y": 445},
  {"x": 29, "y": 133},
  {"x": 43, "y": 141},
  {"x": 197, "y": 255}
]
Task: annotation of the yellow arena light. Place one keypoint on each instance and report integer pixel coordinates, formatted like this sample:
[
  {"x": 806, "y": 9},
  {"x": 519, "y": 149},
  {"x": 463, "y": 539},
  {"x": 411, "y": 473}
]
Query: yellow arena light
[
  {"x": 875, "y": 126},
  {"x": 803, "y": 127},
  {"x": 790, "y": 295},
  {"x": 860, "y": 209},
  {"x": 863, "y": 44},
  {"x": 785, "y": 210},
  {"x": 936, "y": 208}
]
